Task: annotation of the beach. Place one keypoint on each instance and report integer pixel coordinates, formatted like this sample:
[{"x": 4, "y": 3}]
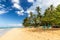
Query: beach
[{"x": 31, "y": 34}]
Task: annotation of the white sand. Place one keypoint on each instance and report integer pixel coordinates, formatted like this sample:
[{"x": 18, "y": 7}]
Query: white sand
[{"x": 23, "y": 34}]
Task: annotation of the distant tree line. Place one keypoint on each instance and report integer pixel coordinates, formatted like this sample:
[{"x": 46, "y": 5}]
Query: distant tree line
[{"x": 50, "y": 18}]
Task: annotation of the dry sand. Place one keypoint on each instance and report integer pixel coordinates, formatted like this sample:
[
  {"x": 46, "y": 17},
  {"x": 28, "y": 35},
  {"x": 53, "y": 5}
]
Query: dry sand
[{"x": 31, "y": 34}]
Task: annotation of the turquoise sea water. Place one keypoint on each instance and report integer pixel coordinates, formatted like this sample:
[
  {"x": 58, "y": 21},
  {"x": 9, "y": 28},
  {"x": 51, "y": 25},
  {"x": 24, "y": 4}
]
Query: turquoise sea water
[
  {"x": 9, "y": 27},
  {"x": 4, "y": 30}
]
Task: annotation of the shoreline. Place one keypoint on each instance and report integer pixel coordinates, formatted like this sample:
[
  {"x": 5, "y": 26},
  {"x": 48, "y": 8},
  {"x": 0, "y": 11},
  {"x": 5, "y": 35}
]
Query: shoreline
[{"x": 31, "y": 34}]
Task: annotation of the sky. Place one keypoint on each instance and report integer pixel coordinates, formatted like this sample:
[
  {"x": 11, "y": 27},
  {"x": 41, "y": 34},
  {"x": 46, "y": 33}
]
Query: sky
[{"x": 13, "y": 12}]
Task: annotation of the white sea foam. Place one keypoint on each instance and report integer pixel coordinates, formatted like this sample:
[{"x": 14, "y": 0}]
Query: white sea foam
[{"x": 3, "y": 31}]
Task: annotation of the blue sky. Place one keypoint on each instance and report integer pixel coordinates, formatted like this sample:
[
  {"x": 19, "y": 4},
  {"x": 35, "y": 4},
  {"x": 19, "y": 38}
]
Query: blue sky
[{"x": 13, "y": 12}]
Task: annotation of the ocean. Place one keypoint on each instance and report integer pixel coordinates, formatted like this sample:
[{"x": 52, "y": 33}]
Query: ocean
[{"x": 4, "y": 30}]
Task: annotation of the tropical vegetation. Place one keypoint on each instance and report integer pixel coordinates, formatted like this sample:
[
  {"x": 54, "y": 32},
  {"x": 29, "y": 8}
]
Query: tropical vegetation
[{"x": 50, "y": 18}]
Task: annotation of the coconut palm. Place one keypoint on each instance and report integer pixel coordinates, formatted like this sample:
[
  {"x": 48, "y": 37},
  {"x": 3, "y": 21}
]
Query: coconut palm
[{"x": 39, "y": 16}]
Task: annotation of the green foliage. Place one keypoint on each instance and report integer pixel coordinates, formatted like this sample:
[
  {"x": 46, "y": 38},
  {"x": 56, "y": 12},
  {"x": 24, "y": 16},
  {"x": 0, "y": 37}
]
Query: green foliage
[
  {"x": 50, "y": 17},
  {"x": 58, "y": 8}
]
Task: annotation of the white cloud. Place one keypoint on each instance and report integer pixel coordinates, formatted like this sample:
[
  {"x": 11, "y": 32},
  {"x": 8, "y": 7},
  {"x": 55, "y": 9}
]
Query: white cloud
[
  {"x": 43, "y": 4},
  {"x": 49, "y": 2},
  {"x": 15, "y": 1},
  {"x": 20, "y": 12},
  {"x": 16, "y": 5},
  {"x": 3, "y": 11},
  {"x": 30, "y": 0}
]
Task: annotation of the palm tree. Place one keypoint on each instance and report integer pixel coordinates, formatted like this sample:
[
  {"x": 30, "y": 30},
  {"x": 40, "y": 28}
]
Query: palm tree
[
  {"x": 39, "y": 16},
  {"x": 49, "y": 16},
  {"x": 35, "y": 20},
  {"x": 31, "y": 19}
]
